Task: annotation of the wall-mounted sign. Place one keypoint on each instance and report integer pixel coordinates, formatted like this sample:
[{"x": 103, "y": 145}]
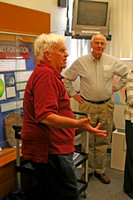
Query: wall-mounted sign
[{"x": 9, "y": 49}]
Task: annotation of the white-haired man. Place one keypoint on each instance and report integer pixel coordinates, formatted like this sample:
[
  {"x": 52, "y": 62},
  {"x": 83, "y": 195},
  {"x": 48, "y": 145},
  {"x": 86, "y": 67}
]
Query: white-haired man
[
  {"x": 96, "y": 72},
  {"x": 48, "y": 123}
]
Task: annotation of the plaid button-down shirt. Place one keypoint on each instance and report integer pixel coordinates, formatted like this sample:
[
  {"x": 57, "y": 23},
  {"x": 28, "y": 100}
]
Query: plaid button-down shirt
[{"x": 129, "y": 93}]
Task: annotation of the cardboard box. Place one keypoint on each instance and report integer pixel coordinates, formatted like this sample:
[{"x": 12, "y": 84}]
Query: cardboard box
[{"x": 118, "y": 150}]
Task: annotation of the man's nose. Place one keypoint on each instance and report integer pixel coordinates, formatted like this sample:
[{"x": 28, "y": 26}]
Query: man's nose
[
  {"x": 66, "y": 54},
  {"x": 100, "y": 44}
]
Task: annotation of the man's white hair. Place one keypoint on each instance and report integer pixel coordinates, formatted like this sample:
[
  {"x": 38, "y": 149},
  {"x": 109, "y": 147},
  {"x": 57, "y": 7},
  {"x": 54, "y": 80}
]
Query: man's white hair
[
  {"x": 93, "y": 37},
  {"x": 44, "y": 42}
]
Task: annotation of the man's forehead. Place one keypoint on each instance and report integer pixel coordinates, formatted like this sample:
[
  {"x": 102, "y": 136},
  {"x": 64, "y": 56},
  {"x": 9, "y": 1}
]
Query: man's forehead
[
  {"x": 59, "y": 45},
  {"x": 99, "y": 39}
]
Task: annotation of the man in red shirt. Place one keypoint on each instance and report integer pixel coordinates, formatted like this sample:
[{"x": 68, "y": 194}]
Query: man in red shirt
[{"x": 48, "y": 122}]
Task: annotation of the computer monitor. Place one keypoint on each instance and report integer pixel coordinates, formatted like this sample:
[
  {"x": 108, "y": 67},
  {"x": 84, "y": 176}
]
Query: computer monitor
[{"x": 90, "y": 17}]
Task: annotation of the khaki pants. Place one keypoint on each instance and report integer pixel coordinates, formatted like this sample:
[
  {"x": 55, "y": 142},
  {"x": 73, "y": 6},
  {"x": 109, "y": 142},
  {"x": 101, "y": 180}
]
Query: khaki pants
[{"x": 98, "y": 145}]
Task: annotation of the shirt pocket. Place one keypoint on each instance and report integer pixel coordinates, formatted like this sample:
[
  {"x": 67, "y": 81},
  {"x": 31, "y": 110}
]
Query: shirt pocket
[{"x": 107, "y": 73}]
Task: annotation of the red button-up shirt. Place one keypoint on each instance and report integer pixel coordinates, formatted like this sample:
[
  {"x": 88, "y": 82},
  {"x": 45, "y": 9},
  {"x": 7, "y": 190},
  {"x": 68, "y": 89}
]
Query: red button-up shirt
[{"x": 45, "y": 94}]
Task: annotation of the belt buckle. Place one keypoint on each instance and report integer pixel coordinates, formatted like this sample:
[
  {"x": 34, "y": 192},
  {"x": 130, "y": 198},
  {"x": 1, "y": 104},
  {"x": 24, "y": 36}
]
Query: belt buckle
[{"x": 96, "y": 102}]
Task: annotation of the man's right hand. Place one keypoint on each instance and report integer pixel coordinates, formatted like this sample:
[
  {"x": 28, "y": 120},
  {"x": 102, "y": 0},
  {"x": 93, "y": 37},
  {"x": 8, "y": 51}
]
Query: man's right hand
[
  {"x": 84, "y": 123},
  {"x": 78, "y": 98}
]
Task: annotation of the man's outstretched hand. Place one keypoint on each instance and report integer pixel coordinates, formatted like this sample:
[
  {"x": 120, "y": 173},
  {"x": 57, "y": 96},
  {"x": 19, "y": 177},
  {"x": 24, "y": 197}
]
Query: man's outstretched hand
[{"x": 89, "y": 128}]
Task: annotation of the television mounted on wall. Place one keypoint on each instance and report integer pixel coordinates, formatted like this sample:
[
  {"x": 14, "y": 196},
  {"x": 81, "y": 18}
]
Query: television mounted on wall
[{"x": 90, "y": 17}]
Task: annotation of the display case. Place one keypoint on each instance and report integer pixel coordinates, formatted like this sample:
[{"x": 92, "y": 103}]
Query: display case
[{"x": 16, "y": 65}]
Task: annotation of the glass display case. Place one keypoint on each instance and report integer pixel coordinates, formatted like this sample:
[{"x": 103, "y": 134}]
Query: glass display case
[{"x": 16, "y": 65}]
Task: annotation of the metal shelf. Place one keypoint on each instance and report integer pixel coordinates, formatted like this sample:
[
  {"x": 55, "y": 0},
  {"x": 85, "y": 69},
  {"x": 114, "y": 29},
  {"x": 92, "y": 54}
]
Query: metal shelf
[
  {"x": 82, "y": 186},
  {"x": 81, "y": 158}
]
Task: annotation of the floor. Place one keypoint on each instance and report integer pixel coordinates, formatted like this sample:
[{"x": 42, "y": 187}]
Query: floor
[{"x": 99, "y": 191}]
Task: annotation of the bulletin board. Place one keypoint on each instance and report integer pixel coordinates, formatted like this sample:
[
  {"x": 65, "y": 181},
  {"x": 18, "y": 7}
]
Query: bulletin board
[
  {"x": 18, "y": 19},
  {"x": 15, "y": 70}
]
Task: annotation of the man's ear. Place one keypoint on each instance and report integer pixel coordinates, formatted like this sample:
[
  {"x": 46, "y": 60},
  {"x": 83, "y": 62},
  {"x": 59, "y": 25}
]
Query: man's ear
[
  {"x": 47, "y": 56},
  {"x": 91, "y": 44}
]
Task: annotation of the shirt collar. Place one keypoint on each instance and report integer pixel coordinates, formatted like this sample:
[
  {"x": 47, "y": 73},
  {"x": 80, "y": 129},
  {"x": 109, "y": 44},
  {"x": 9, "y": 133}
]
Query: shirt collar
[
  {"x": 92, "y": 57},
  {"x": 51, "y": 67}
]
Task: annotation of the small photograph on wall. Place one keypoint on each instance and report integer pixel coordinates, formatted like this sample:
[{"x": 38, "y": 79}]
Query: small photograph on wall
[
  {"x": 2, "y": 87},
  {"x": 10, "y": 86}
]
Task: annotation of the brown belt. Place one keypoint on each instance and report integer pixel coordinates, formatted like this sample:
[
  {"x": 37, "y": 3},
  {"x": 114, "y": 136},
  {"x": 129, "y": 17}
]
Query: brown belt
[{"x": 96, "y": 102}]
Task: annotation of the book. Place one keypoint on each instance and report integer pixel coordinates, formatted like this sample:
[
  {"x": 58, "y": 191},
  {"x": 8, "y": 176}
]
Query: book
[{"x": 75, "y": 155}]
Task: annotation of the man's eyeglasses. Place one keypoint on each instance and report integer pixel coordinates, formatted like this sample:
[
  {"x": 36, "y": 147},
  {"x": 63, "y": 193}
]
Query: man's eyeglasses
[{"x": 100, "y": 43}]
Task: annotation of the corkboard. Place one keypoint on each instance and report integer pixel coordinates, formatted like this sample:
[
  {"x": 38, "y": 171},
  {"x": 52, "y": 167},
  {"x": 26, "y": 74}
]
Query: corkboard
[{"x": 18, "y": 19}]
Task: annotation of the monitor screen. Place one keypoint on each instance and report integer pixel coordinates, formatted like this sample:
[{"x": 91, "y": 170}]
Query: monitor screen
[
  {"x": 90, "y": 17},
  {"x": 92, "y": 13}
]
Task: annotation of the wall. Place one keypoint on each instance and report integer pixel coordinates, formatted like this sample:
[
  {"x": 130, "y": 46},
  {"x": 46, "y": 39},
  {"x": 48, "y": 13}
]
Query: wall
[
  {"x": 121, "y": 25},
  {"x": 121, "y": 28},
  {"x": 58, "y": 15}
]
